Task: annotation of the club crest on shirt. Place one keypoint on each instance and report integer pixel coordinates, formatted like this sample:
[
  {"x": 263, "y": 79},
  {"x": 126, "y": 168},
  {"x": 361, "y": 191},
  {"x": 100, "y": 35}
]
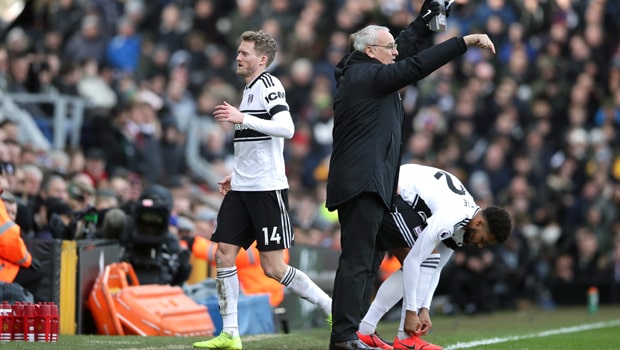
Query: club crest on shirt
[
  {"x": 250, "y": 98},
  {"x": 444, "y": 234}
]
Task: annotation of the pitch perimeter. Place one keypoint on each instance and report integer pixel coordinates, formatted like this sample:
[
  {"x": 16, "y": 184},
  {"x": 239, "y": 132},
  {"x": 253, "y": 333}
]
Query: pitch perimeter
[{"x": 563, "y": 330}]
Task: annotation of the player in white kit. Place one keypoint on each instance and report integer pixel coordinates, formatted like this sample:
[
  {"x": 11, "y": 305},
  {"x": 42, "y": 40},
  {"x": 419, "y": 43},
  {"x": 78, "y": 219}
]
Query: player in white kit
[
  {"x": 434, "y": 215},
  {"x": 255, "y": 205}
]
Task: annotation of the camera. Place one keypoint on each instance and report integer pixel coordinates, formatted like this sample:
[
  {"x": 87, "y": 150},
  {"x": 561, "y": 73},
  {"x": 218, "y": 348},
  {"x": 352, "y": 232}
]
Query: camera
[
  {"x": 86, "y": 223},
  {"x": 149, "y": 246}
]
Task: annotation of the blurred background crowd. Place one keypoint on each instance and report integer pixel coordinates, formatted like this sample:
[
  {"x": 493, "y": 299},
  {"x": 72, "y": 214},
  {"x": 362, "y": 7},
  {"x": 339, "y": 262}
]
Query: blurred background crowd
[{"x": 533, "y": 128}]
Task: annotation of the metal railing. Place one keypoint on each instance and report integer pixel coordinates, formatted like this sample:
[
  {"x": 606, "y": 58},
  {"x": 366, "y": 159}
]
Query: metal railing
[{"x": 68, "y": 111}]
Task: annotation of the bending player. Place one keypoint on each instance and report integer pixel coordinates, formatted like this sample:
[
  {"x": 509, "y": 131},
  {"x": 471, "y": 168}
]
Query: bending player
[{"x": 434, "y": 215}]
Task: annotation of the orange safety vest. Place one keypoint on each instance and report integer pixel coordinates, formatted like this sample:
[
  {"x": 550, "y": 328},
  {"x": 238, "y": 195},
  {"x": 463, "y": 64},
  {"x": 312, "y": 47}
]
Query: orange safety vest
[
  {"x": 203, "y": 249},
  {"x": 13, "y": 250},
  {"x": 252, "y": 279},
  {"x": 388, "y": 266}
]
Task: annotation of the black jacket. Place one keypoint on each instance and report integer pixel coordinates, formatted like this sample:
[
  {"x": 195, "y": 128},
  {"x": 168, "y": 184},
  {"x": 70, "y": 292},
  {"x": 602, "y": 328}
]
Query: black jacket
[{"x": 368, "y": 114}]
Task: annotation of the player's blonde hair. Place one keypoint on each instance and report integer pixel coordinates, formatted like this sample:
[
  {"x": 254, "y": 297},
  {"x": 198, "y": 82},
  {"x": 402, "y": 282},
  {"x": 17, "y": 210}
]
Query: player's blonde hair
[{"x": 264, "y": 43}]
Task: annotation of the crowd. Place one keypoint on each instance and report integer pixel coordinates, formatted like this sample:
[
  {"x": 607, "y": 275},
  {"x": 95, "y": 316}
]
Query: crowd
[{"x": 533, "y": 128}]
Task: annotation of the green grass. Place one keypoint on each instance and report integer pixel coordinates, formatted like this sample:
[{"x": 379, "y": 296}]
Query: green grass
[{"x": 567, "y": 328}]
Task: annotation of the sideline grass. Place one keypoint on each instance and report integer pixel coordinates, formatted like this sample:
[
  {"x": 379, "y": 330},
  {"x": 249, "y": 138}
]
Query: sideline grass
[{"x": 522, "y": 330}]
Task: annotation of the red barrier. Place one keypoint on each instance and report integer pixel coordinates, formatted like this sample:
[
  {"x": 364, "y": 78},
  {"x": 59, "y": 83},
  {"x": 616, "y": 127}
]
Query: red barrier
[
  {"x": 6, "y": 321},
  {"x": 18, "y": 322},
  {"x": 29, "y": 322}
]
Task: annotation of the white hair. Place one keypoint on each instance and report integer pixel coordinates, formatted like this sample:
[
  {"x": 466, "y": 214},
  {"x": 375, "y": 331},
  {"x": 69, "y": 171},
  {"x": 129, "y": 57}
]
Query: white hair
[
  {"x": 367, "y": 36},
  {"x": 33, "y": 170}
]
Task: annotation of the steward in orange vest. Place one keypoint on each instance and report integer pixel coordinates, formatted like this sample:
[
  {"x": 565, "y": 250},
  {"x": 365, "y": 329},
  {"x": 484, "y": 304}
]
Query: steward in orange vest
[{"x": 13, "y": 250}]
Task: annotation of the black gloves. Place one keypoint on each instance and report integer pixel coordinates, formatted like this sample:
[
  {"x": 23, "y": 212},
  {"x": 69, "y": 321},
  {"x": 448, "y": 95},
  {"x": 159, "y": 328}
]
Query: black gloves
[
  {"x": 448, "y": 5},
  {"x": 429, "y": 9}
]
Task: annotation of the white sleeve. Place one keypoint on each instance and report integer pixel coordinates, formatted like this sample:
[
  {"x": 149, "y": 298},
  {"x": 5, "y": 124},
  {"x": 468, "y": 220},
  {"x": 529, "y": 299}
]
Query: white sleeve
[
  {"x": 280, "y": 125},
  {"x": 422, "y": 249},
  {"x": 438, "y": 227},
  {"x": 445, "y": 254}
]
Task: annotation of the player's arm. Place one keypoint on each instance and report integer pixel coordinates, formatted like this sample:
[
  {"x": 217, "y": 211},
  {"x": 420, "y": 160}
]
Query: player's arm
[
  {"x": 422, "y": 249},
  {"x": 445, "y": 254},
  {"x": 280, "y": 125},
  {"x": 424, "y": 315},
  {"x": 427, "y": 241},
  {"x": 280, "y": 121}
]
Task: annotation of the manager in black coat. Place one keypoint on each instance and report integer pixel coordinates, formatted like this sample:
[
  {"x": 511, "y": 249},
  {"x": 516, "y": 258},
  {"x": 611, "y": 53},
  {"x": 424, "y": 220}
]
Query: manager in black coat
[{"x": 363, "y": 169}]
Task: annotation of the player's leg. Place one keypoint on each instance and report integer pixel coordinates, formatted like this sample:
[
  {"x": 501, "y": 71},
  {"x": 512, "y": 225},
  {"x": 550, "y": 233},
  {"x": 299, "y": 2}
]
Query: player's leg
[
  {"x": 274, "y": 233},
  {"x": 231, "y": 234},
  {"x": 388, "y": 294},
  {"x": 294, "y": 279},
  {"x": 397, "y": 233}
]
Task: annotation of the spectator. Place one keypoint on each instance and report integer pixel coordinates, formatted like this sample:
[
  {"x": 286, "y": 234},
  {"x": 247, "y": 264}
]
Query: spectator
[
  {"x": 470, "y": 290},
  {"x": 93, "y": 88},
  {"x": 124, "y": 49},
  {"x": 17, "y": 42},
  {"x": 178, "y": 99},
  {"x": 95, "y": 167},
  {"x": 54, "y": 186},
  {"x": 198, "y": 61},
  {"x": 81, "y": 195},
  {"x": 173, "y": 153},
  {"x": 65, "y": 17},
  {"x": 205, "y": 222},
  {"x": 87, "y": 44},
  {"x": 105, "y": 200},
  {"x": 10, "y": 204},
  {"x": 172, "y": 28},
  {"x": 245, "y": 15},
  {"x": 206, "y": 16},
  {"x": 143, "y": 130},
  {"x": 31, "y": 185},
  {"x": 54, "y": 220}
]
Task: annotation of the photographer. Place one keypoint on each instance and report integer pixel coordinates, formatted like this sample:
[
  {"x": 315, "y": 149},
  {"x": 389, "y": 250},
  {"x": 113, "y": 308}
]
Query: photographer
[{"x": 149, "y": 246}]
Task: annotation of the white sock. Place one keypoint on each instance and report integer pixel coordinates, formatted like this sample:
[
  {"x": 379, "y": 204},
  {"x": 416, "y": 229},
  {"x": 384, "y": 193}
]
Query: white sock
[
  {"x": 227, "y": 283},
  {"x": 388, "y": 294},
  {"x": 298, "y": 282},
  {"x": 427, "y": 270}
]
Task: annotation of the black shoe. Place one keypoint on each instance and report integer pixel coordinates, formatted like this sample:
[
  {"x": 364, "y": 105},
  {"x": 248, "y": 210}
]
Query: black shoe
[{"x": 350, "y": 344}]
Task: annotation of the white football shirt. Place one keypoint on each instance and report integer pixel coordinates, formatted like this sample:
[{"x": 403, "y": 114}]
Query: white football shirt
[
  {"x": 451, "y": 205},
  {"x": 259, "y": 156},
  {"x": 452, "y": 208}
]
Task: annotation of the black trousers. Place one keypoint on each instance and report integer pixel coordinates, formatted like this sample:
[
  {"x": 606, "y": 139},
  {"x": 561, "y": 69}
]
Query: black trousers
[{"x": 359, "y": 261}]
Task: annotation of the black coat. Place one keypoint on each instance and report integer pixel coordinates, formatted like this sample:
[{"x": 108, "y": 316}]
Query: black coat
[{"x": 368, "y": 115}]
